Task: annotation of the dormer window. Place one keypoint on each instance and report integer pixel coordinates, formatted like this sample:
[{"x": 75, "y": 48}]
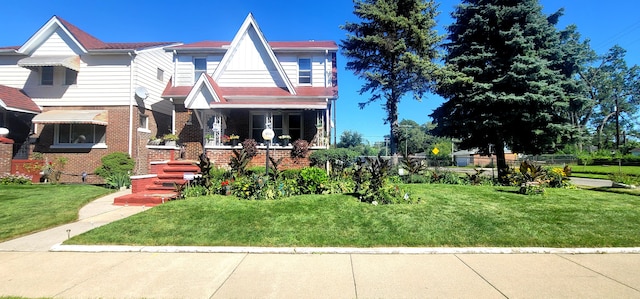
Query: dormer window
[
  {"x": 46, "y": 75},
  {"x": 304, "y": 70},
  {"x": 200, "y": 65}
]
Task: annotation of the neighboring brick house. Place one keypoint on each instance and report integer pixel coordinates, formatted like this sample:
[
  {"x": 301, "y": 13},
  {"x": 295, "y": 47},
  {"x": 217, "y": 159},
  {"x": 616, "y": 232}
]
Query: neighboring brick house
[
  {"x": 91, "y": 98},
  {"x": 96, "y": 97}
]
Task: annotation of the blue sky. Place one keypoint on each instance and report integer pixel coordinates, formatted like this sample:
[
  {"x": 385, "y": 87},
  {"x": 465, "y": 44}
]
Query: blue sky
[{"x": 605, "y": 23}]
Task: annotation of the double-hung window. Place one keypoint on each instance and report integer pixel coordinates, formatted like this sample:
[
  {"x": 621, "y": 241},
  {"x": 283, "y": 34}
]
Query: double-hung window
[
  {"x": 46, "y": 75},
  {"x": 200, "y": 65},
  {"x": 304, "y": 70}
]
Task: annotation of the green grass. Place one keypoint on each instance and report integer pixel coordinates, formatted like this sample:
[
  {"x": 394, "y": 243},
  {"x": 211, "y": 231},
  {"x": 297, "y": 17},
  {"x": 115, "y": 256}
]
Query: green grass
[
  {"x": 26, "y": 209},
  {"x": 449, "y": 215},
  {"x": 605, "y": 170}
]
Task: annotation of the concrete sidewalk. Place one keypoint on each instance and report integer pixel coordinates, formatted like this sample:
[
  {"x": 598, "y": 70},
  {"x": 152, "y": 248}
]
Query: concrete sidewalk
[
  {"x": 239, "y": 275},
  {"x": 30, "y": 269},
  {"x": 96, "y": 213}
]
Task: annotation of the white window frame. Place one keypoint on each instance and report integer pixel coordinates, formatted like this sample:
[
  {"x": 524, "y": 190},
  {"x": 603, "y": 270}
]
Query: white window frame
[
  {"x": 160, "y": 74},
  {"x": 71, "y": 144},
  {"x": 301, "y": 70},
  {"x": 143, "y": 123},
  {"x": 197, "y": 72}
]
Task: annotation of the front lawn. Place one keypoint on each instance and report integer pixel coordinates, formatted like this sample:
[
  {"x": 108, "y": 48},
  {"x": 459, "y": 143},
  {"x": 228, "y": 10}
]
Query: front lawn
[
  {"x": 449, "y": 215},
  {"x": 26, "y": 209},
  {"x": 602, "y": 171}
]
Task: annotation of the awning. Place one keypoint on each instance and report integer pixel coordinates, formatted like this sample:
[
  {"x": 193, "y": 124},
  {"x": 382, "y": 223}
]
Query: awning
[
  {"x": 96, "y": 117},
  {"x": 70, "y": 62}
]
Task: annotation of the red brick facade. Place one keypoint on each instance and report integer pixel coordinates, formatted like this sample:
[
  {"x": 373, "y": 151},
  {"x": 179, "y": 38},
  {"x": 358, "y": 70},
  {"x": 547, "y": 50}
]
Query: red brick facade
[
  {"x": 221, "y": 157},
  {"x": 87, "y": 160}
]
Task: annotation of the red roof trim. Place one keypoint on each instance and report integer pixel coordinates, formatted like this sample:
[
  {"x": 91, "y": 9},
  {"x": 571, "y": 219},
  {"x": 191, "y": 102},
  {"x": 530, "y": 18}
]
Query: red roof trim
[{"x": 278, "y": 45}]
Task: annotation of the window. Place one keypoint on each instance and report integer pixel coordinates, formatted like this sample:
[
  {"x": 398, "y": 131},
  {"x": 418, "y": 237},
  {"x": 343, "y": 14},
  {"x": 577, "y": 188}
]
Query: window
[
  {"x": 46, "y": 75},
  {"x": 160, "y": 74},
  {"x": 200, "y": 65},
  {"x": 281, "y": 123},
  {"x": 304, "y": 71},
  {"x": 70, "y": 77},
  {"x": 80, "y": 133},
  {"x": 143, "y": 122}
]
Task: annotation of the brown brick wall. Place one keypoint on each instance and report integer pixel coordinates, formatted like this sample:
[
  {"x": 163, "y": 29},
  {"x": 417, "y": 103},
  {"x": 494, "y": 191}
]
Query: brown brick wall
[
  {"x": 6, "y": 153},
  {"x": 189, "y": 132}
]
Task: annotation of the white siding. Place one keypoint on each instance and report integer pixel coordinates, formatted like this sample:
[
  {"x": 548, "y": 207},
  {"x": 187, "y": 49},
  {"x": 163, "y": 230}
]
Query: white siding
[
  {"x": 147, "y": 63},
  {"x": 57, "y": 44},
  {"x": 102, "y": 81},
  {"x": 185, "y": 69},
  {"x": 250, "y": 65},
  {"x": 11, "y": 74},
  {"x": 289, "y": 62}
]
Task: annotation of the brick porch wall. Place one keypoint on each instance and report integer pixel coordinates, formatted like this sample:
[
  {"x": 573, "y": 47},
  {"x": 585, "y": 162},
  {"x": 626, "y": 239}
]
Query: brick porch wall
[
  {"x": 221, "y": 157},
  {"x": 6, "y": 153}
]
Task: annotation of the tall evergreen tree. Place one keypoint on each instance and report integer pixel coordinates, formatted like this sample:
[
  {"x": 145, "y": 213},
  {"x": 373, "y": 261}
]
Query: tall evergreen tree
[
  {"x": 507, "y": 90},
  {"x": 393, "y": 49}
]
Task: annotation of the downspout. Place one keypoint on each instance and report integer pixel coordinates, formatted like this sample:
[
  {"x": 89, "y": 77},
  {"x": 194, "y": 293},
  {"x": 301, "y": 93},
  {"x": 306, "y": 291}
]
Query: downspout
[
  {"x": 130, "y": 150},
  {"x": 173, "y": 111}
]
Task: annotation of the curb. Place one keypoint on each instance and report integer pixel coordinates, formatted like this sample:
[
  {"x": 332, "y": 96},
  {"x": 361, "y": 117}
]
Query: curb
[{"x": 343, "y": 250}]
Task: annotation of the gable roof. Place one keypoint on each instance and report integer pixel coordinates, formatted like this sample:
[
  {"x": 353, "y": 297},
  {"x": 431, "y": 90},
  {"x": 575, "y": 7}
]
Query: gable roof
[
  {"x": 251, "y": 24},
  {"x": 16, "y": 100},
  {"x": 196, "y": 98},
  {"x": 85, "y": 41}
]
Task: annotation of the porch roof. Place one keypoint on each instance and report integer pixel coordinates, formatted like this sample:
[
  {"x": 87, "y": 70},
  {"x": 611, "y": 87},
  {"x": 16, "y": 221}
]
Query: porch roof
[
  {"x": 230, "y": 93},
  {"x": 16, "y": 100}
]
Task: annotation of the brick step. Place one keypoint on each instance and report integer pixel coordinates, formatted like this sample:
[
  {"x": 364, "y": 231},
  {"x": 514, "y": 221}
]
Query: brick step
[
  {"x": 148, "y": 199},
  {"x": 160, "y": 188},
  {"x": 182, "y": 162},
  {"x": 177, "y": 176},
  {"x": 169, "y": 182},
  {"x": 181, "y": 168}
]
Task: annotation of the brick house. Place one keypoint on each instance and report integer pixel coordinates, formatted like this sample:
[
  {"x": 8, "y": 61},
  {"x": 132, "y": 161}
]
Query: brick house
[
  {"x": 90, "y": 98},
  {"x": 238, "y": 88}
]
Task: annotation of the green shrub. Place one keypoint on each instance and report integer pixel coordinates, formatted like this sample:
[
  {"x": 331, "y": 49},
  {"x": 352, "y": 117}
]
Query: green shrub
[
  {"x": 312, "y": 180},
  {"x": 194, "y": 191},
  {"x": 118, "y": 180},
  {"x": 115, "y": 163},
  {"x": 15, "y": 179},
  {"x": 339, "y": 158}
]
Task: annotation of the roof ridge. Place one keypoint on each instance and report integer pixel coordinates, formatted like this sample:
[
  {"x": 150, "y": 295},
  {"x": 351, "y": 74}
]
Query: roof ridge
[{"x": 87, "y": 40}]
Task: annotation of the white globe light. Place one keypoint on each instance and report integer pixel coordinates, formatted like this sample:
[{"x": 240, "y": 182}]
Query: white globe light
[
  {"x": 4, "y": 132},
  {"x": 268, "y": 134}
]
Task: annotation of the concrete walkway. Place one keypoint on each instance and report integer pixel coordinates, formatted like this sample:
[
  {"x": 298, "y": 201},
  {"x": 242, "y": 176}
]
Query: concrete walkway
[{"x": 29, "y": 269}]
